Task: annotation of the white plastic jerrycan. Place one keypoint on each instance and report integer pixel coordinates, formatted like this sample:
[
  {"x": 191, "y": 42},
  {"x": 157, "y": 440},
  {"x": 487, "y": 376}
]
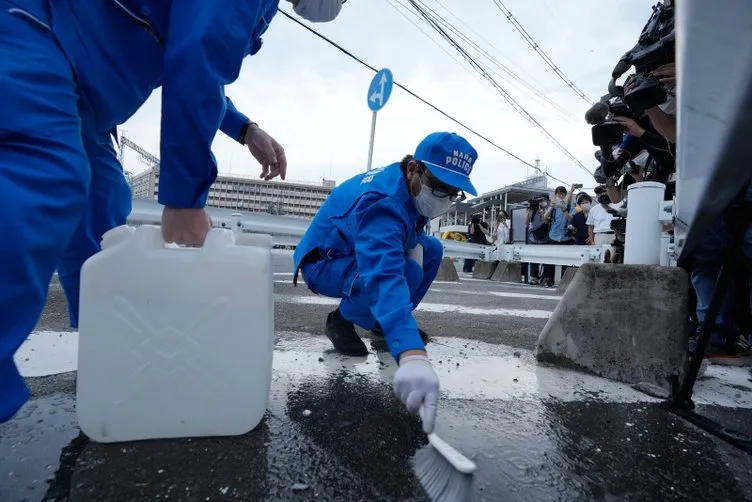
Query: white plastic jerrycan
[{"x": 175, "y": 342}]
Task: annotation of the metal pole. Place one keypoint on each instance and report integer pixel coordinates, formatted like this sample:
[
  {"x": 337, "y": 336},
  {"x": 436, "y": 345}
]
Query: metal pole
[{"x": 373, "y": 136}]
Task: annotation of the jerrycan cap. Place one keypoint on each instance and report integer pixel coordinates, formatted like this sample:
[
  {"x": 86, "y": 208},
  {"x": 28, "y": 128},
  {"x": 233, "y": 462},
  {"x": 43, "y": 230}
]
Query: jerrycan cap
[{"x": 116, "y": 236}]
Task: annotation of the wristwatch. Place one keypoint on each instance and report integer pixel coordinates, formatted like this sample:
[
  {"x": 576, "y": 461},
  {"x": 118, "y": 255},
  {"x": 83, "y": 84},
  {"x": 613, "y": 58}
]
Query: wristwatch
[{"x": 244, "y": 131}]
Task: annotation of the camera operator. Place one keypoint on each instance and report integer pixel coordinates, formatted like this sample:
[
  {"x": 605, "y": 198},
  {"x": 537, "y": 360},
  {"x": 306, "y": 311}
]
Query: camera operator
[
  {"x": 641, "y": 115},
  {"x": 537, "y": 230},
  {"x": 477, "y": 235},
  {"x": 662, "y": 117}
]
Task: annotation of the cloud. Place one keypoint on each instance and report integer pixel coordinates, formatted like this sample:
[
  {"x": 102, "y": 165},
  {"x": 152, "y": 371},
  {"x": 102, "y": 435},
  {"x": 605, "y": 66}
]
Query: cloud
[{"x": 312, "y": 98}]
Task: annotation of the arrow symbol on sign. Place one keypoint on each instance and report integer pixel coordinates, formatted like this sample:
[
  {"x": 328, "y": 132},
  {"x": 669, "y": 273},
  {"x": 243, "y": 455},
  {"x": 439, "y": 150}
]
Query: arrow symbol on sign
[
  {"x": 376, "y": 95},
  {"x": 379, "y": 94}
]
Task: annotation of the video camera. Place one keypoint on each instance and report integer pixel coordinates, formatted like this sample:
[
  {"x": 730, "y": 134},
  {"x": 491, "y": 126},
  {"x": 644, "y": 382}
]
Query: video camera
[
  {"x": 534, "y": 203},
  {"x": 613, "y": 162},
  {"x": 655, "y": 48},
  {"x": 606, "y": 131}
]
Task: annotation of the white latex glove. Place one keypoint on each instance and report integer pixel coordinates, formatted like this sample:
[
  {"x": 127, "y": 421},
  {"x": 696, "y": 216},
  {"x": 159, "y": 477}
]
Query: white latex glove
[
  {"x": 267, "y": 152},
  {"x": 416, "y": 384}
]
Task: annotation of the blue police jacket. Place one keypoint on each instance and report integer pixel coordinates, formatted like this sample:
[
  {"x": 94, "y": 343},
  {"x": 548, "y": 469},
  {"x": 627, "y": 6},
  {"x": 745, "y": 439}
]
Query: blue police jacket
[
  {"x": 372, "y": 218},
  {"x": 121, "y": 50}
]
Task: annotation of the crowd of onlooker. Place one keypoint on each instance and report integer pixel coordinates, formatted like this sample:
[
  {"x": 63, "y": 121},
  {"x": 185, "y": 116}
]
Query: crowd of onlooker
[{"x": 647, "y": 153}]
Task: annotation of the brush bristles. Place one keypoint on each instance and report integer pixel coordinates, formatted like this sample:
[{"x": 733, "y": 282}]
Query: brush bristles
[{"x": 442, "y": 482}]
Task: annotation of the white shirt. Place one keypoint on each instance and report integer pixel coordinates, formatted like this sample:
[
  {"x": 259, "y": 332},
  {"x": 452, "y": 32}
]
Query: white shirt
[
  {"x": 599, "y": 219},
  {"x": 502, "y": 234}
]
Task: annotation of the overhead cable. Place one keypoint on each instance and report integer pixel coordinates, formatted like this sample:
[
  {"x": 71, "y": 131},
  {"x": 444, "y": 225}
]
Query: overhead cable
[
  {"x": 522, "y": 31},
  {"x": 436, "y": 25},
  {"x": 416, "y": 96}
]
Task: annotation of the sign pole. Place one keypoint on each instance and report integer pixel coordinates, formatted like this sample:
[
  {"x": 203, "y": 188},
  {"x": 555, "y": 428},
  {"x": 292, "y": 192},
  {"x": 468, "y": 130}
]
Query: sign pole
[
  {"x": 373, "y": 137},
  {"x": 378, "y": 94}
]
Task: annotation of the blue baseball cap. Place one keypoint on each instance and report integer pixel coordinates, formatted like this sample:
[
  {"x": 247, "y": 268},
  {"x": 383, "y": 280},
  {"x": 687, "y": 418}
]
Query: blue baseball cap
[{"x": 450, "y": 159}]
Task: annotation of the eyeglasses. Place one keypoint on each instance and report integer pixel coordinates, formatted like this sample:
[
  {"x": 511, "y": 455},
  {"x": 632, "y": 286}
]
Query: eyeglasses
[{"x": 441, "y": 190}]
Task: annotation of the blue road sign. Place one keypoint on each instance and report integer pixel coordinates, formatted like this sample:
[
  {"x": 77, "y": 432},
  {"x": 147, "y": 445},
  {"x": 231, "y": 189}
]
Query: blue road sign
[{"x": 380, "y": 89}]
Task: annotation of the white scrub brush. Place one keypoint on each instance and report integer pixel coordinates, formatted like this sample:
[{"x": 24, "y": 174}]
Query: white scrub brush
[{"x": 445, "y": 473}]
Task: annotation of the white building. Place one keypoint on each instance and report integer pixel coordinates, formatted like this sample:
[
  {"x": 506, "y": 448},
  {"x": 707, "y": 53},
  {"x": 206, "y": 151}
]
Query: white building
[{"x": 245, "y": 193}]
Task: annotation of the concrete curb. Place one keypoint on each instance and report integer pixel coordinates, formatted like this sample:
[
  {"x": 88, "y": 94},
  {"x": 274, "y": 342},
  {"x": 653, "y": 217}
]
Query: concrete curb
[
  {"x": 566, "y": 279},
  {"x": 507, "y": 272},
  {"x": 484, "y": 269},
  {"x": 447, "y": 271},
  {"x": 623, "y": 322}
]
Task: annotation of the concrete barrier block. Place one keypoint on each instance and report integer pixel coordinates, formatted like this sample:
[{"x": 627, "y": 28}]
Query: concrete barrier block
[
  {"x": 507, "y": 272},
  {"x": 623, "y": 322},
  {"x": 484, "y": 269},
  {"x": 567, "y": 278},
  {"x": 447, "y": 271}
]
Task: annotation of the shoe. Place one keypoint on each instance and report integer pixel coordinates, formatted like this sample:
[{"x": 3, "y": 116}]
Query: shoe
[
  {"x": 343, "y": 336},
  {"x": 728, "y": 355},
  {"x": 423, "y": 334}
]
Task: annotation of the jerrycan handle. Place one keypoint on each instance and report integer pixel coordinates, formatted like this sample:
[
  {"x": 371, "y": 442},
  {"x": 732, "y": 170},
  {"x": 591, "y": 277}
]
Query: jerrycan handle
[
  {"x": 148, "y": 237},
  {"x": 218, "y": 238}
]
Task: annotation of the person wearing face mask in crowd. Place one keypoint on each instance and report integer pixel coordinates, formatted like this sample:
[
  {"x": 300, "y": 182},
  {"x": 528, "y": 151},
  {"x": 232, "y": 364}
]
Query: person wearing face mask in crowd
[
  {"x": 367, "y": 246},
  {"x": 72, "y": 72},
  {"x": 579, "y": 220}
]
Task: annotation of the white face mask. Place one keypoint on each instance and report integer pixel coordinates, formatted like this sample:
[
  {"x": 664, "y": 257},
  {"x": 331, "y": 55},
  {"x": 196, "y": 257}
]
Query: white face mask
[
  {"x": 318, "y": 11},
  {"x": 429, "y": 205},
  {"x": 585, "y": 206}
]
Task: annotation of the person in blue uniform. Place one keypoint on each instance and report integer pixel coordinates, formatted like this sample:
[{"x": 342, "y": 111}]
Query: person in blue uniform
[
  {"x": 71, "y": 72},
  {"x": 367, "y": 245}
]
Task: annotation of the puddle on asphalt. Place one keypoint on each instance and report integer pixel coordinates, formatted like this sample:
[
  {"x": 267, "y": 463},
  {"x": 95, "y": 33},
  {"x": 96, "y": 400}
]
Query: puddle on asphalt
[
  {"x": 335, "y": 431},
  {"x": 37, "y": 448}
]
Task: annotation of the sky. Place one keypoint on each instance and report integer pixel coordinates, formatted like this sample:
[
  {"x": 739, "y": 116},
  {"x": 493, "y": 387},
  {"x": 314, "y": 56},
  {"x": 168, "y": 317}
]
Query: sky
[{"x": 311, "y": 97}]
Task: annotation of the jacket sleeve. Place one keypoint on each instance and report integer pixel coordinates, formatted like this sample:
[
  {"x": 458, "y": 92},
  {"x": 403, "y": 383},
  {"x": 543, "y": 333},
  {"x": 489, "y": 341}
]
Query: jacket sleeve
[
  {"x": 233, "y": 122},
  {"x": 380, "y": 233},
  {"x": 204, "y": 51}
]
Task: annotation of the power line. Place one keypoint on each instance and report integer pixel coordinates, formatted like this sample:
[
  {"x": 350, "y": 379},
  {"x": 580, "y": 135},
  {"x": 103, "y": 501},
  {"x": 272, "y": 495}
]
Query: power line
[
  {"x": 431, "y": 105},
  {"x": 522, "y": 31},
  {"x": 400, "y": 7},
  {"x": 511, "y": 74},
  {"x": 436, "y": 25}
]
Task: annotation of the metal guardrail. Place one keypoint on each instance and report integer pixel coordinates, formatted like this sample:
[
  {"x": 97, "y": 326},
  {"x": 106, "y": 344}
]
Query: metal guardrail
[
  {"x": 287, "y": 231},
  {"x": 551, "y": 255}
]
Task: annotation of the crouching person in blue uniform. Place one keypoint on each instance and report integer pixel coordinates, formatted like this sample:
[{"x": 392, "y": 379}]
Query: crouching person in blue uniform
[
  {"x": 367, "y": 245},
  {"x": 71, "y": 72}
]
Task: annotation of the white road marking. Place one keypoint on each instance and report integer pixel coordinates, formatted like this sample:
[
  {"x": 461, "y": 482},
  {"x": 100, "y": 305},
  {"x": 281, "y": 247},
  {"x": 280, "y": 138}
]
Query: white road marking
[
  {"x": 495, "y": 284},
  {"x": 48, "y": 353},
  {"x": 439, "y": 308},
  {"x": 467, "y": 370},
  {"x": 498, "y": 293}
]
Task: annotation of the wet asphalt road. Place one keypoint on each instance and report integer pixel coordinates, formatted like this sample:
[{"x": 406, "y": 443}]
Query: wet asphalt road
[{"x": 334, "y": 431}]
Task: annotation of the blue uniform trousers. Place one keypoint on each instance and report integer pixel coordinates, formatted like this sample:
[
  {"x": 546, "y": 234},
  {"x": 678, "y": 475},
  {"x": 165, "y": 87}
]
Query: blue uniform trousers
[
  {"x": 338, "y": 278},
  {"x": 61, "y": 187}
]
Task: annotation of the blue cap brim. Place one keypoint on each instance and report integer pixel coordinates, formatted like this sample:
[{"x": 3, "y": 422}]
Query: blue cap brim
[{"x": 451, "y": 178}]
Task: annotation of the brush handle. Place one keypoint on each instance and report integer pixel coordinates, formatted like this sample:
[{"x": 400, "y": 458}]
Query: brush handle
[{"x": 457, "y": 459}]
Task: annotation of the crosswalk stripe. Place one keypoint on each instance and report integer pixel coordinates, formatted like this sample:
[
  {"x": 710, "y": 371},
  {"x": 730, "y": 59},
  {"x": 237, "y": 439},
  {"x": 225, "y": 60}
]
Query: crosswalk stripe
[
  {"x": 501, "y": 294},
  {"x": 438, "y": 308},
  {"x": 467, "y": 369}
]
